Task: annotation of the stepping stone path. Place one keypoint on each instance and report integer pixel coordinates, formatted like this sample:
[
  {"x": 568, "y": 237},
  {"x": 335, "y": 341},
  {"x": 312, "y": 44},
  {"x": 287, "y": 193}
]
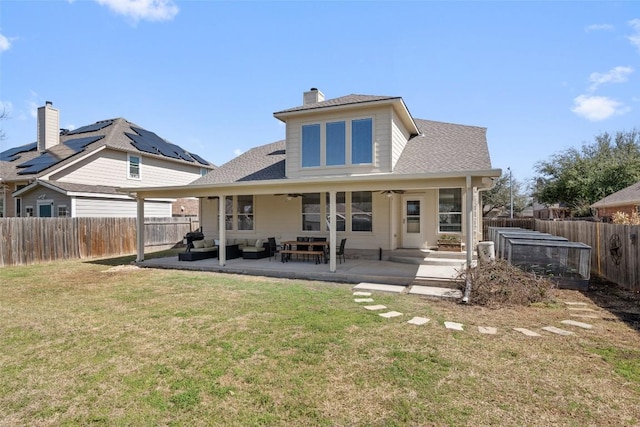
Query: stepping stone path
[{"x": 580, "y": 307}]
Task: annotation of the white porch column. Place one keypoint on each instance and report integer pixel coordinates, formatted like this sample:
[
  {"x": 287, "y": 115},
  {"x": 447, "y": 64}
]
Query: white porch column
[
  {"x": 469, "y": 218},
  {"x": 222, "y": 232},
  {"x": 333, "y": 233},
  {"x": 139, "y": 229}
]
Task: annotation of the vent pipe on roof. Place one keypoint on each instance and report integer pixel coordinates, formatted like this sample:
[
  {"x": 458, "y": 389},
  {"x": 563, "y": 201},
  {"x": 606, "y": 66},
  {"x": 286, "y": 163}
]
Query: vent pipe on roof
[
  {"x": 48, "y": 126},
  {"x": 312, "y": 96}
]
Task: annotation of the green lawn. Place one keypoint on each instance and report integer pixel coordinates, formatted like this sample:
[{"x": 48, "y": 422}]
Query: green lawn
[{"x": 89, "y": 344}]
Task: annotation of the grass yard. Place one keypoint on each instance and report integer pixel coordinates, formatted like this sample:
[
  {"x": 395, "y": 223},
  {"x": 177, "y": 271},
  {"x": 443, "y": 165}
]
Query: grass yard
[{"x": 89, "y": 344}]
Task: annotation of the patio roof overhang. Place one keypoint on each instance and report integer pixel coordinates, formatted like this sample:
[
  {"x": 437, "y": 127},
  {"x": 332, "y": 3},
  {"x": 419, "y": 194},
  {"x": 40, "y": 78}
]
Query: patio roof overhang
[{"x": 368, "y": 182}]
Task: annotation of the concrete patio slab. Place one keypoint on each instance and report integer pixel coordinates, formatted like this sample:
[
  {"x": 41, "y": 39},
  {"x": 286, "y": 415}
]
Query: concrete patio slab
[
  {"x": 527, "y": 332},
  {"x": 578, "y": 324},
  {"x": 433, "y": 291},
  {"x": 380, "y": 287},
  {"x": 419, "y": 321},
  {"x": 391, "y": 314},
  {"x": 454, "y": 325},
  {"x": 557, "y": 331}
]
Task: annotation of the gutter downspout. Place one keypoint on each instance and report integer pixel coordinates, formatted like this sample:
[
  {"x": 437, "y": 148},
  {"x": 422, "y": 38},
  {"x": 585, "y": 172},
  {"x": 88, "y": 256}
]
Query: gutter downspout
[{"x": 469, "y": 243}]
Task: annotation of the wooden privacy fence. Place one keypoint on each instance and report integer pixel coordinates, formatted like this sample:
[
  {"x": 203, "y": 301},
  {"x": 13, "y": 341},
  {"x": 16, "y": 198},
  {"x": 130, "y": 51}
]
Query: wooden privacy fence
[
  {"x": 527, "y": 223},
  {"x": 33, "y": 240},
  {"x": 615, "y": 249}
]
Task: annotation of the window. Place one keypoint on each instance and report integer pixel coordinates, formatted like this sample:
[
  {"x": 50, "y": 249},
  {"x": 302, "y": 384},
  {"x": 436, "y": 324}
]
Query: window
[
  {"x": 62, "y": 211},
  {"x": 310, "y": 146},
  {"x": 450, "y": 210},
  {"x": 311, "y": 212},
  {"x": 241, "y": 216},
  {"x": 361, "y": 141},
  {"x": 336, "y": 143},
  {"x": 245, "y": 212},
  {"x": 28, "y": 211},
  {"x": 361, "y": 211},
  {"x": 341, "y": 211},
  {"x": 134, "y": 166},
  {"x": 203, "y": 171}
]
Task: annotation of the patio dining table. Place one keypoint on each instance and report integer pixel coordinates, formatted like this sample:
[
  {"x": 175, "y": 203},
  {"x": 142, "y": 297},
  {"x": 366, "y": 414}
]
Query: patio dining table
[{"x": 288, "y": 249}]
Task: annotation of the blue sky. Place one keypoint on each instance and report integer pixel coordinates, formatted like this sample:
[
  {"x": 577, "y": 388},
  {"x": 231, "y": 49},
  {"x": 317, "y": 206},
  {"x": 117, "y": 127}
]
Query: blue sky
[{"x": 208, "y": 75}]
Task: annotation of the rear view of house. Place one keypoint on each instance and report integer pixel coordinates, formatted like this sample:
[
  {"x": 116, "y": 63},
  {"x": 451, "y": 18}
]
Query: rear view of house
[{"x": 359, "y": 167}]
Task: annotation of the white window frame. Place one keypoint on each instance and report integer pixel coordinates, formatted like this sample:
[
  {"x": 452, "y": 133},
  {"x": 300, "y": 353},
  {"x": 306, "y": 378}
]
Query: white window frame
[
  {"x": 232, "y": 215},
  {"x": 348, "y": 128},
  {"x": 129, "y": 175},
  {"x": 451, "y": 212},
  {"x": 66, "y": 210},
  {"x": 27, "y": 209}
]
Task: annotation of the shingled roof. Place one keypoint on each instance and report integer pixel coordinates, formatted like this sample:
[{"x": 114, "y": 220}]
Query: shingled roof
[
  {"x": 441, "y": 147},
  {"x": 336, "y": 102},
  {"x": 627, "y": 196},
  {"x": 118, "y": 134}
]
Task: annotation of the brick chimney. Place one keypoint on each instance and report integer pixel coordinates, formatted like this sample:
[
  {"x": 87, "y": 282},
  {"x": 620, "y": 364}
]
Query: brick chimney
[
  {"x": 312, "y": 96},
  {"x": 48, "y": 126}
]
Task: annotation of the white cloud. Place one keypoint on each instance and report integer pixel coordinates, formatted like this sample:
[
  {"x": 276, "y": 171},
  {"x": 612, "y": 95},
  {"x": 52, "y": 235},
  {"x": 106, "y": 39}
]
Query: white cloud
[
  {"x": 597, "y": 108},
  {"x": 615, "y": 75},
  {"x": 635, "y": 38},
  {"x": 5, "y": 43},
  {"x": 149, "y": 10},
  {"x": 599, "y": 27}
]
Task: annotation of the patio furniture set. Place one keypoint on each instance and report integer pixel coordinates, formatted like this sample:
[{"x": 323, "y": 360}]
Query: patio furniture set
[{"x": 316, "y": 248}]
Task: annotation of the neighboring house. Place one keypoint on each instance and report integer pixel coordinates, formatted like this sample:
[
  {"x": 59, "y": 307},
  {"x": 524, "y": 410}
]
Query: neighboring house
[
  {"x": 358, "y": 167},
  {"x": 626, "y": 201},
  {"x": 555, "y": 211},
  {"x": 75, "y": 173}
]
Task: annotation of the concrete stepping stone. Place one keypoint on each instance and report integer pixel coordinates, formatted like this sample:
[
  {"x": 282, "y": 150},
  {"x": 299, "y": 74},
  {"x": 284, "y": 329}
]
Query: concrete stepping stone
[
  {"x": 578, "y": 324},
  {"x": 379, "y": 287},
  {"x": 582, "y": 309},
  {"x": 432, "y": 291},
  {"x": 487, "y": 330},
  {"x": 557, "y": 331},
  {"x": 363, "y": 299},
  {"x": 375, "y": 307},
  {"x": 390, "y": 314},
  {"x": 453, "y": 325},
  {"x": 419, "y": 321},
  {"x": 527, "y": 332},
  {"x": 362, "y": 294},
  {"x": 585, "y": 316},
  {"x": 575, "y": 303}
]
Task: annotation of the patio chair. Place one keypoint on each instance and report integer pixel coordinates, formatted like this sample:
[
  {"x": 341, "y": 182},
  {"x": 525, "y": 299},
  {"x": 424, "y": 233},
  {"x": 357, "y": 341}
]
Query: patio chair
[
  {"x": 274, "y": 248},
  {"x": 340, "y": 251}
]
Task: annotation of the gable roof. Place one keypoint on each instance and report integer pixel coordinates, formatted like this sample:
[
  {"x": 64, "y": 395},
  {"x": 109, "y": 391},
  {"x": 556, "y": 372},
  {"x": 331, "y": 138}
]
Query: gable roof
[
  {"x": 70, "y": 188},
  {"x": 440, "y": 147},
  {"x": 26, "y": 162},
  {"x": 627, "y": 196}
]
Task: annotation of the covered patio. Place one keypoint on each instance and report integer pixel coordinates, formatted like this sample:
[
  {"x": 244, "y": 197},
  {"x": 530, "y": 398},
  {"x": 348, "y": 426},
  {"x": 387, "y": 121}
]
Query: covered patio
[{"x": 404, "y": 268}]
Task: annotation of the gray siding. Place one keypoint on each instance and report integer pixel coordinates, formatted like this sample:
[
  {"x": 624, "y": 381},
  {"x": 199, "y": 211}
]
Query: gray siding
[{"x": 105, "y": 208}]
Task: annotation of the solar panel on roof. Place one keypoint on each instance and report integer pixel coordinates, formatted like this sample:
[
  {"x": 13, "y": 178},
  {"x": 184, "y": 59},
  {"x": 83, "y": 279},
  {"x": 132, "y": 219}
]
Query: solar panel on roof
[
  {"x": 141, "y": 144},
  {"x": 40, "y": 163},
  {"x": 199, "y": 159},
  {"x": 12, "y": 153},
  {"x": 91, "y": 128},
  {"x": 79, "y": 144}
]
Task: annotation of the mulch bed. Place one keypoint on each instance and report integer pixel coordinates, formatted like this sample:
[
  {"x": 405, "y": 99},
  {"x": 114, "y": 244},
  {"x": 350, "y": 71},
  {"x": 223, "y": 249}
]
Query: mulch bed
[{"x": 620, "y": 302}]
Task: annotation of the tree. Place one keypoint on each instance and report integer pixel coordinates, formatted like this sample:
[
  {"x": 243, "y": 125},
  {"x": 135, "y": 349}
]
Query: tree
[
  {"x": 581, "y": 177},
  {"x": 499, "y": 197}
]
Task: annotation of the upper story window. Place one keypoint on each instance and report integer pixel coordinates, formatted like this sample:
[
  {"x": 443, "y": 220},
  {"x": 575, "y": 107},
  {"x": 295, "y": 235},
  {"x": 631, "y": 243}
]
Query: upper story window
[
  {"x": 361, "y": 141},
  {"x": 310, "y": 146},
  {"x": 337, "y": 143},
  {"x": 134, "y": 166}
]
